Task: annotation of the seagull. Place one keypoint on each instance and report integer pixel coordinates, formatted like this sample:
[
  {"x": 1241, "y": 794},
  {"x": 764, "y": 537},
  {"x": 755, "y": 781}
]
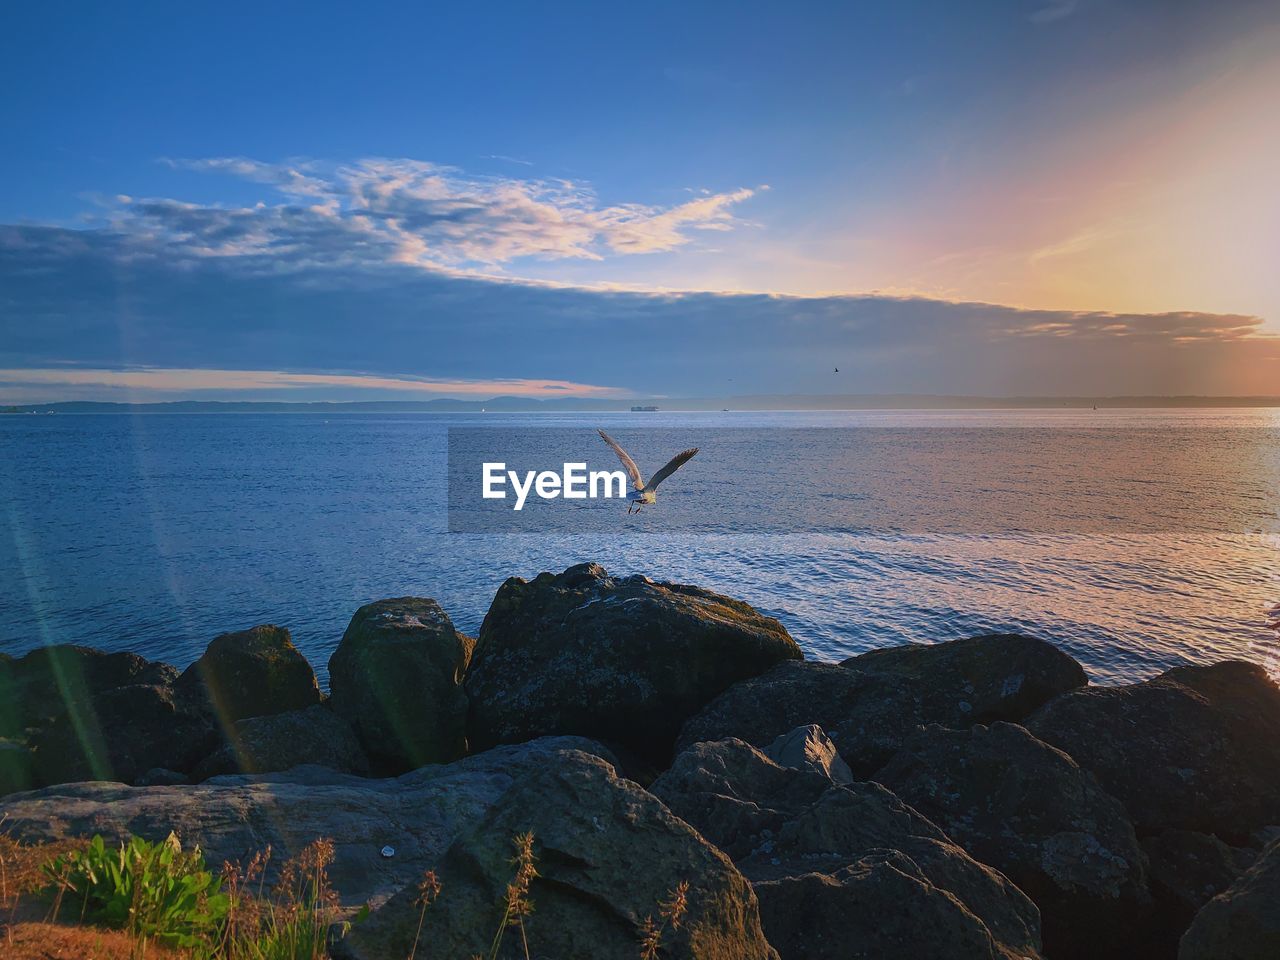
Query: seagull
[{"x": 646, "y": 492}]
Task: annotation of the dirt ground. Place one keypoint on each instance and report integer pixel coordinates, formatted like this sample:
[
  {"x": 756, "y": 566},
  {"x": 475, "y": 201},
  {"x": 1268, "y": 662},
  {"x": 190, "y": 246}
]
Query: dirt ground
[{"x": 47, "y": 941}]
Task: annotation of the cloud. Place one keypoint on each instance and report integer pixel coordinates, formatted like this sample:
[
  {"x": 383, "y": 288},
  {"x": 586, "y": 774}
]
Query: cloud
[
  {"x": 506, "y": 159},
  {"x": 84, "y": 298},
  {"x": 380, "y": 211},
  {"x": 1054, "y": 10},
  {"x": 187, "y": 381}
]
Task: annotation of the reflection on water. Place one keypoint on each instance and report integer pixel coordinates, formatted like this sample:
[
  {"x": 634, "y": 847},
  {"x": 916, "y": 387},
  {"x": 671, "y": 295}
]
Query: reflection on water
[{"x": 154, "y": 533}]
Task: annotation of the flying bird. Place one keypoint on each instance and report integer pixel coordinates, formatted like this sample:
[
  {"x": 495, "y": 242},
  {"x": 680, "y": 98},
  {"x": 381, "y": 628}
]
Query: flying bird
[{"x": 646, "y": 493}]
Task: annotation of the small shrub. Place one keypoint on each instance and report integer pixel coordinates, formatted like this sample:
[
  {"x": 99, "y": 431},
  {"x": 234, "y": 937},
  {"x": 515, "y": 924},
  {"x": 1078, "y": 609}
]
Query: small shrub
[{"x": 154, "y": 891}]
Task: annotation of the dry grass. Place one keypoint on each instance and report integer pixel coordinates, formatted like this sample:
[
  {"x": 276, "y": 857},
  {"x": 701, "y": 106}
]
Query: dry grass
[
  {"x": 47, "y": 941},
  {"x": 287, "y": 920},
  {"x": 21, "y": 866}
]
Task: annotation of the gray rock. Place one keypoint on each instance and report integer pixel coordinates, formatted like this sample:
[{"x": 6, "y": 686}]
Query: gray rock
[
  {"x": 51, "y": 681},
  {"x": 1242, "y": 922},
  {"x": 884, "y": 881},
  {"x": 1027, "y": 809},
  {"x": 1186, "y": 870},
  {"x": 252, "y": 673},
  {"x": 1196, "y": 748},
  {"x": 396, "y": 677},
  {"x": 996, "y": 676},
  {"x": 880, "y": 906},
  {"x": 608, "y": 853},
  {"x": 231, "y": 818},
  {"x": 870, "y": 704},
  {"x": 623, "y": 660},
  {"x": 808, "y": 748},
  {"x": 120, "y": 733},
  {"x": 282, "y": 741}
]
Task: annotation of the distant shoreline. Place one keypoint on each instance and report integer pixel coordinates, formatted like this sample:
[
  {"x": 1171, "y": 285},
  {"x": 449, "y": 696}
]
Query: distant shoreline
[{"x": 753, "y": 403}]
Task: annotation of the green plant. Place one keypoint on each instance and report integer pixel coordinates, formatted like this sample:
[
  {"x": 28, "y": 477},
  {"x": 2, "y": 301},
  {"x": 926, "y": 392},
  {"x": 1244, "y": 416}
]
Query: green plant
[{"x": 155, "y": 891}]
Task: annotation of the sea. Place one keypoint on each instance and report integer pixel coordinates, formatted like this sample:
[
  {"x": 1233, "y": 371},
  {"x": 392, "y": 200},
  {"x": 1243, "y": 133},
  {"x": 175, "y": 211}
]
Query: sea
[{"x": 1136, "y": 540}]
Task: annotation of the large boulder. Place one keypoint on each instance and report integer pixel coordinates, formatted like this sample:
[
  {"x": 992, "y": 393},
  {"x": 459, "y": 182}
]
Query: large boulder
[
  {"x": 396, "y": 677},
  {"x": 1028, "y": 810},
  {"x": 120, "y": 733},
  {"x": 51, "y": 681},
  {"x": 996, "y": 676},
  {"x": 251, "y": 673},
  {"x": 1243, "y": 922},
  {"x": 845, "y": 870},
  {"x": 607, "y": 855},
  {"x": 1185, "y": 871},
  {"x": 1196, "y": 748},
  {"x": 623, "y": 660},
  {"x": 882, "y": 905},
  {"x": 418, "y": 815},
  {"x": 868, "y": 705},
  {"x": 74, "y": 713},
  {"x": 282, "y": 741}
]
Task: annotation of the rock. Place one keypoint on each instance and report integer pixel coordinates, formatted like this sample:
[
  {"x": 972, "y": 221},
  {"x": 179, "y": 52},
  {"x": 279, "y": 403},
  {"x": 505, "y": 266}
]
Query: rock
[
  {"x": 608, "y": 853},
  {"x": 282, "y": 741},
  {"x": 808, "y": 748},
  {"x": 252, "y": 673},
  {"x": 865, "y": 715},
  {"x": 1027, "y": 809},
  {"x": 868, "y": 705},
  {"x": 120, "y": 733},
  {"x": 49, "y": 681},
  {"x": 1243, "y": 922},
  {"x": 996, "y": 676},
  {"x": 882, "y": 905},
  {"x": 231, "y": 818},
  {"x": 882, "y": 880},
  {"x": 1196, "y": 748},
  {"x": 1186, "y": 871},
  {"x": 622, "y": 660},
  {"x": 396, "y": 677},
  {"x": 16, "y": 767}
]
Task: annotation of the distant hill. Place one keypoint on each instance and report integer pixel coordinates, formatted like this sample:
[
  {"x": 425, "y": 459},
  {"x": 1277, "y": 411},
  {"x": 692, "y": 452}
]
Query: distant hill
[{"x": 565, "y": 404}]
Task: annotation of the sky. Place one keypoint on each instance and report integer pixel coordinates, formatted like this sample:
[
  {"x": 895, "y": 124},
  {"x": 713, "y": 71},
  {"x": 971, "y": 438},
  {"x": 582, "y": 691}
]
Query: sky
[{"x": 319, "y": 201}]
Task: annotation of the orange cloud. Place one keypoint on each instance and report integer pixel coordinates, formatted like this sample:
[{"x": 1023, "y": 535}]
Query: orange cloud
[{"x": 191, "y": 379}]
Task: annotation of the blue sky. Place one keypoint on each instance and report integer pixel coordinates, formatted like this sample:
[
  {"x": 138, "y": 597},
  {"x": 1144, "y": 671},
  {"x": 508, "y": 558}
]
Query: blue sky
[{"x": 493, "y": 196}]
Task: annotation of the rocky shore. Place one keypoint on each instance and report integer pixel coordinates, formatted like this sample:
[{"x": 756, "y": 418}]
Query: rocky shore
[{"x": 970, "y": 799}]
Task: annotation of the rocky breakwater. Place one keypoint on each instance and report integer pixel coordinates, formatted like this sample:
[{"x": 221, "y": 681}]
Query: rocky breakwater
[{"x": 975, "y": 798}]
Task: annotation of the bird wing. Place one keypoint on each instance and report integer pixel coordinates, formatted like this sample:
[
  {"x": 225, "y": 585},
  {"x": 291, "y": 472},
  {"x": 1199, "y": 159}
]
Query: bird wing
[
  {"x": 633, "y": 471},
  {"x": 676, "y": 462}
]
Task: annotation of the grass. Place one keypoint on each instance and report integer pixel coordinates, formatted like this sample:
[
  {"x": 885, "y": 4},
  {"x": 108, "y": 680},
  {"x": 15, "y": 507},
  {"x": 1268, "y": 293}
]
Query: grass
[
  {"x": 130, "y": 899},
  {"x": 152, "y": 891},
  {"x": 163, "y": 899}
]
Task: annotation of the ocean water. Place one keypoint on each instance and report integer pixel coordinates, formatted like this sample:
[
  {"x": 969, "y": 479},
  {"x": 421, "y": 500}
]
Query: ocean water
[{"x": 1136, "y": 540}]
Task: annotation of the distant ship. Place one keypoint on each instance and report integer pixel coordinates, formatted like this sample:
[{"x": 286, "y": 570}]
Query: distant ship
[{"x": 644, "y": 409}]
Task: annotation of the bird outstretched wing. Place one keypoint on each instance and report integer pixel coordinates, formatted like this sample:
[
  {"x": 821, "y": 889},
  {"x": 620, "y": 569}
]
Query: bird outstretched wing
[
  {"x": 676, "y": 462},
  {"x": 633, "y": 471}
]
